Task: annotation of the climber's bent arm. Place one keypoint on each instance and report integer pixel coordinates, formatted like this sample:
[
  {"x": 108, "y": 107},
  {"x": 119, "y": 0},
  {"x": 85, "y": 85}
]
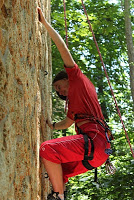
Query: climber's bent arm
[
  {"x": 67, "y": 122},
  {"x": 63, "y": 124},
  {"x": 59, "y": 42}
]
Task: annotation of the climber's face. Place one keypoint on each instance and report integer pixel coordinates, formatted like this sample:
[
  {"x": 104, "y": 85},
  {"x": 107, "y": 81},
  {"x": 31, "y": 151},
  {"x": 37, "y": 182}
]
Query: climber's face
[{"x": 62, "y": 86}]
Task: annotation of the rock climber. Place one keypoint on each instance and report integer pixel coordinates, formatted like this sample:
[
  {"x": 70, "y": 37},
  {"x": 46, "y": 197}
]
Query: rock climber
[{"x": 72, "y": 155}]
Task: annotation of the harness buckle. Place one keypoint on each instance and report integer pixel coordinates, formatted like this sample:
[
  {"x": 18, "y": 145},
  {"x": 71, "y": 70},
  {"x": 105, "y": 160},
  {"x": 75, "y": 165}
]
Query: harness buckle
[{"x": 108, "y": 151}]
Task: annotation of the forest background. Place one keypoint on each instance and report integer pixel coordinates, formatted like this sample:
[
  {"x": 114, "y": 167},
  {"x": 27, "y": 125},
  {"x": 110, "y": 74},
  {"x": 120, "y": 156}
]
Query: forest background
[{"x": 110, "y": 25}]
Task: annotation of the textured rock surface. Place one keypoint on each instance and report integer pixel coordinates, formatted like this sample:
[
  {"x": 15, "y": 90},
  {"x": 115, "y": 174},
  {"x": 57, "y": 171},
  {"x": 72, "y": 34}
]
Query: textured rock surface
[{"x": 24, "y": 98}]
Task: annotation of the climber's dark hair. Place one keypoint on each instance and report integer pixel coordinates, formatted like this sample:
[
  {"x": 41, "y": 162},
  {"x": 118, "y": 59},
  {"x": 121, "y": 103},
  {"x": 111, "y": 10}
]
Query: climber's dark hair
[{"x": 61, "y": 75}]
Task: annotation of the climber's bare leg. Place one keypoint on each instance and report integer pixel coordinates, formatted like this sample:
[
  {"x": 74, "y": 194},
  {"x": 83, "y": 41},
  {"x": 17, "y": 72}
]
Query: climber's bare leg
[{"x": 55, "y": 174}]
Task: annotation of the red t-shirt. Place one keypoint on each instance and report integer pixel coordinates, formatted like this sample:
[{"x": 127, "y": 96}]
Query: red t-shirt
[{"x": 82, "y": 96}]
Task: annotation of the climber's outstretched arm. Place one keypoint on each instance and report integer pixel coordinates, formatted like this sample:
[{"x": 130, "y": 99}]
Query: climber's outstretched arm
[{"x": 65, "y": 54}]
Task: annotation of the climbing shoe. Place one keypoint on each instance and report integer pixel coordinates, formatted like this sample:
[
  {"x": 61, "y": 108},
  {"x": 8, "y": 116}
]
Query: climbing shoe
[{"x": 53, "y": 196}]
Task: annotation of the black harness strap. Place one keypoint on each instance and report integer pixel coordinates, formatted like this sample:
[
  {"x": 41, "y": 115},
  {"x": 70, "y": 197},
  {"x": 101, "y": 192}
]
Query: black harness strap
[
  {"x": 95, "y": 176},
  {"x": 86, "y": 145},
  {"x": 86, "y": 157}
]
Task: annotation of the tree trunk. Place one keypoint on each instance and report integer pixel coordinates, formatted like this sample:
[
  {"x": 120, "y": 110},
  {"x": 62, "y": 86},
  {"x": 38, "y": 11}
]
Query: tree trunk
[
  {"x": 25, "y": 86},
  {"x": 130, "y": 48}
]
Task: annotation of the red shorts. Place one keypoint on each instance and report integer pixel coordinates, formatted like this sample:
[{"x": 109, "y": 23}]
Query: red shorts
[{"x": 69, "y": 151}]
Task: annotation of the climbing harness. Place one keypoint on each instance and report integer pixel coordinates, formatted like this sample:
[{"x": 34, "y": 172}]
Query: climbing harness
[
  {"x": 110, "y": 169},
  {"x": 108, "y": 136},
  {"x": 90, "y": 27}
]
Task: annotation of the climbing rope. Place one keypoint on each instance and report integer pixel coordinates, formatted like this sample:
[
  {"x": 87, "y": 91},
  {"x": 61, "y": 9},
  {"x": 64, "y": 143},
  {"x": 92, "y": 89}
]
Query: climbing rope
[{"x": 90, "y": 27}]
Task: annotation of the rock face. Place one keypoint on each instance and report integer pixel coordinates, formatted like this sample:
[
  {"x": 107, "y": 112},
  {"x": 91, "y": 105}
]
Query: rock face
[{"x": 25, "y": 98}]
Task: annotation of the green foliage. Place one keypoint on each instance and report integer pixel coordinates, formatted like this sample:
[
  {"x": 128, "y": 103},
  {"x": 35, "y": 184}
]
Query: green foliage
[
  {"x": 108, "y": 25},
  {"x": 109, "y": 187}
]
